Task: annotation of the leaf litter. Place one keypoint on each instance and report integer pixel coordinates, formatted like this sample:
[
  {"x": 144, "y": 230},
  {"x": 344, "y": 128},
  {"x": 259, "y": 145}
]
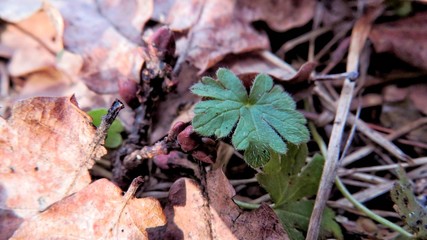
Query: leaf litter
[{"x": 91, "y": 47}]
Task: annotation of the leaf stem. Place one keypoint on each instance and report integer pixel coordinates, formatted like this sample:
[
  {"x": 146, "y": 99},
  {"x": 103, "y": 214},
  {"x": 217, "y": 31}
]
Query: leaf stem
[
  {"x": 368, "y": 212},
  {"x": 318, "y": 139}
]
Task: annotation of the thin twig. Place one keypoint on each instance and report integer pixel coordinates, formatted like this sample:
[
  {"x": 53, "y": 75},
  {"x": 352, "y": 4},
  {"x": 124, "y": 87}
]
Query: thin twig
[
  {"x": 359, "y": 36},
  {"x": 364, "y": 151},
  {"x": 101, "y": 133},
  {"x": 415, "y": 162},
  {"x": 301, "y": 39},
  {"x": 364, "y": 128},
  {"x": 348, "y": 195}
]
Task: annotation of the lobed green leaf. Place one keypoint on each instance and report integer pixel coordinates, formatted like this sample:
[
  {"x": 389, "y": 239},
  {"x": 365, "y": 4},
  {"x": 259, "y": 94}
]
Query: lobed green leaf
[{"x": 263, "y": 120}]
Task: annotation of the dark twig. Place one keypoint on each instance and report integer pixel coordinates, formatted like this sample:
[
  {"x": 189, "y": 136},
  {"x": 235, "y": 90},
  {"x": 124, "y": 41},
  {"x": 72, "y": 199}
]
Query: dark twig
[{"x": 100, "y": 135}]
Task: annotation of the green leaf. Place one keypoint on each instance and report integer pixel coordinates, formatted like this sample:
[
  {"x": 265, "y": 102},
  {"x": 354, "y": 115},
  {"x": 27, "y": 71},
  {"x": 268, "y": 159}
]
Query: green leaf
[
  {"x": 287, "y": 181},
  {"x": 411, "y": 212},
  {"x": 285, "y": 178},
  {"x": 295, "y": 217},
  {"x": 263, "y": 119},
  {"x": 114, "y": 138}
]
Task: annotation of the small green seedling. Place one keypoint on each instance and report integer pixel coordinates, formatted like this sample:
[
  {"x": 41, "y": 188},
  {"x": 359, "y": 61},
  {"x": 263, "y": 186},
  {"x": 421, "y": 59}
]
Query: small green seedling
[
  {"x": 409, "y": 209},
  {"x": 263, "y": 120},
  {"x": 114, "y": 139}
]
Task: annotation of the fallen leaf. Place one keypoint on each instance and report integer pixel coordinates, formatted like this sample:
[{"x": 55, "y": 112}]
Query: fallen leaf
[
  {"x": 402, "y": 106},
  {"x": 128, "y": 17},
  {"x": 107, "y": 54},
  {"x": 34, "y": 41},
  {"x": 14, "y": 11},
  {"x": 404, "y": 38},
  {"x": 171, "y": 12},
  {"x": 280, "y": 15},
  {"x": 215, "y": 30},
  {"x": 44, "y": 147},
  {"x": 191, "y": 213},
  {"x": 98, "y": 211}
]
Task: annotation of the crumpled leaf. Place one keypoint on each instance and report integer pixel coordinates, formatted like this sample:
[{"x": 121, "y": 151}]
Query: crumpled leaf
[
  {"x": 98, "y": 211},
  {"x": 264, "y": 119},
  {"x": 287, "y": 181},
  {"x": 44, "y": 147},
  {"x": 404, "y": 38},
  {"x": 409, "y": 209},
  {"x": 195, "y": 214}
]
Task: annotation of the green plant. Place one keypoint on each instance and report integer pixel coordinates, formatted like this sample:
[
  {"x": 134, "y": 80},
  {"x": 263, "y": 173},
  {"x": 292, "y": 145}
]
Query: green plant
[
  {"x": 289, "y": 182},
  {"x": 263, "y": 120},
  {"x": 114, "y": 138},
  {"x": 266, "y": 125}
]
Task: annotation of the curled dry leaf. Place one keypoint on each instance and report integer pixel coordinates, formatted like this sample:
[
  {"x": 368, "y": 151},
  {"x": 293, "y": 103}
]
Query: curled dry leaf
[
  {"x": 98, "y": 211},
  {"x": 107, "y": 54},
  {"x": 195, "y": 214},
  {"x": 44, "y": 147},
  {"x": 405, "y": 38}
]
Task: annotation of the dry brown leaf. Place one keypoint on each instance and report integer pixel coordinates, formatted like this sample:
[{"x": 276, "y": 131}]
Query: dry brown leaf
[
  {"x": 16, "y": 11},
  {"x": 404, "y": 38},
  {"x": 171, "y": 12},
  {"x": 280, "y": 15},
  {"x": 44, "y": 149},
  {"x": 215, "y": 30},
  {"x": 107, "y": 54},
  {"x": 221, "y": 27},
  {"x": 127, "y": 16},
  {"x": 34, "y": 41},
  {"x": 98, "y": 211},
  {"x": 213, "y": 214}
]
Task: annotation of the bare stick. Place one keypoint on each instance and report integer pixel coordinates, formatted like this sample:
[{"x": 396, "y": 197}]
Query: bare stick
[{"x": 359, "y": 36}]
